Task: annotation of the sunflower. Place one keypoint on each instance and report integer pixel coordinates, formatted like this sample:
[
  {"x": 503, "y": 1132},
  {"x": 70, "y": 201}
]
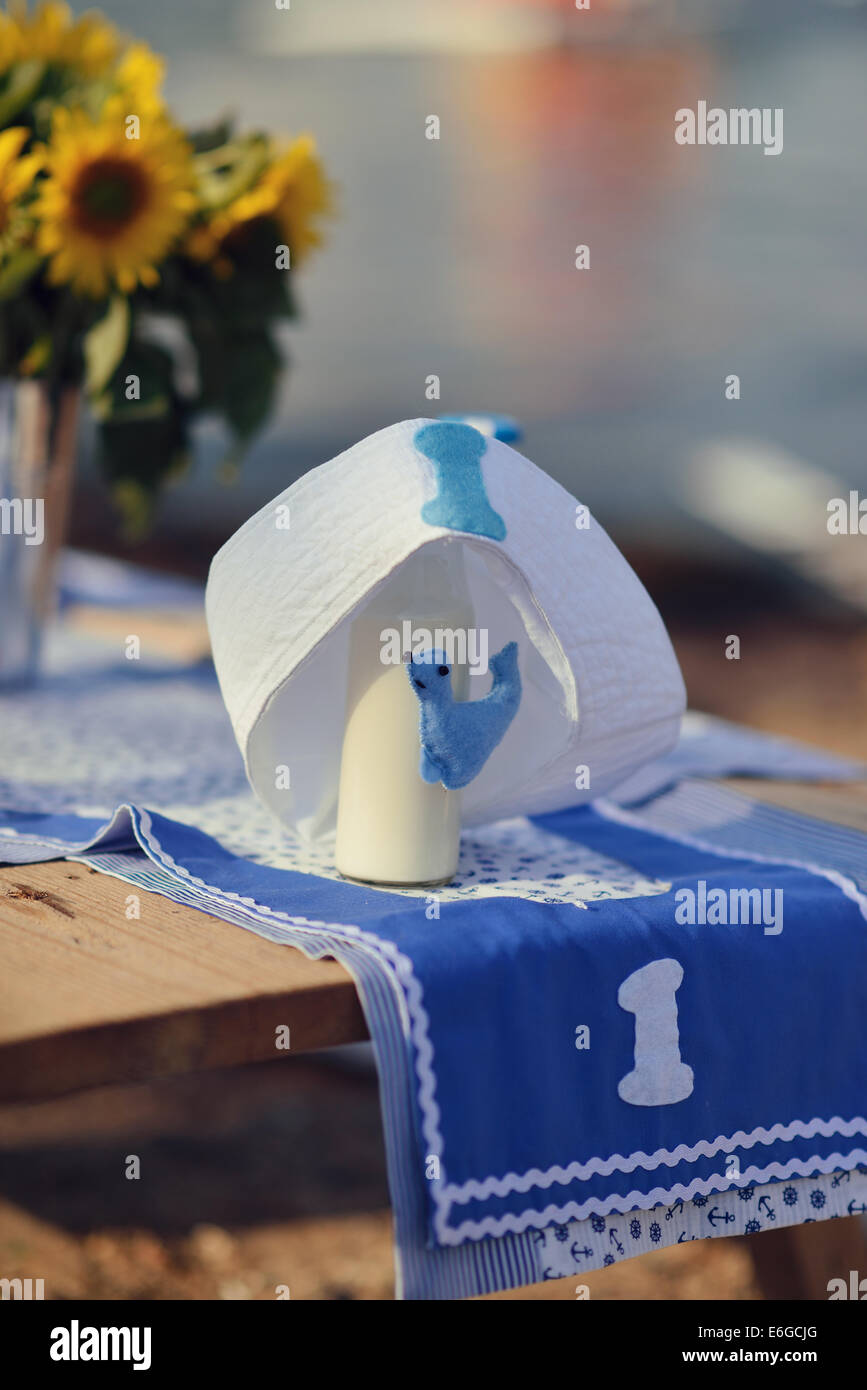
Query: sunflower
[
  {"x": 16, "y": 176},
  {"x": 139, "y": 79},
  {"x": 90, "y": 44},
  {"x": 292, "y": 192},
  {"x": 110, "y": 208}
]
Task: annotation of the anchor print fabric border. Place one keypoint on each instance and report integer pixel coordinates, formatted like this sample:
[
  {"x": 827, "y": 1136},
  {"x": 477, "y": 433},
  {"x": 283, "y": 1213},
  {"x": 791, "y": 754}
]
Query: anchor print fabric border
[
  {"x": 578, "y": 1247},
  {"x": 521, "y": 980}
]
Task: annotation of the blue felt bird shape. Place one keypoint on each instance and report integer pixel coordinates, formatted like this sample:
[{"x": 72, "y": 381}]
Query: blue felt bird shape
[{"x": 458, "y": 737}]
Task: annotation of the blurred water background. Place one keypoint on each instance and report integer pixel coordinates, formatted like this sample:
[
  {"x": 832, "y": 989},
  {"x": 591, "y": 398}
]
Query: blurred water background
[{"x": 456, "y": 257}]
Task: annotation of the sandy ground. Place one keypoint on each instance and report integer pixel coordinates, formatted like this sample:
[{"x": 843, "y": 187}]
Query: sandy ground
[{"x": 250, "y": 1180}]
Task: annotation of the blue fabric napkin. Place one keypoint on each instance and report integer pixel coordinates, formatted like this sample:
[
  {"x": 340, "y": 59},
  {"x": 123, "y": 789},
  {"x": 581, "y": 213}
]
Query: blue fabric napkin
[{"x": 511, "y": 1128}]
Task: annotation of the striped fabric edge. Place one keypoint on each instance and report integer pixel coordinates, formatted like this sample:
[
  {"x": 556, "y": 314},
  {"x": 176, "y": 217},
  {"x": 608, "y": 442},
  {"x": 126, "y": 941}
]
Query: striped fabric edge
[{"x": 726, "y": 821}]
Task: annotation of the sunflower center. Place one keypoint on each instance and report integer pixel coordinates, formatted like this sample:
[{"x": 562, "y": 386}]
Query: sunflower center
[{"x": 108, "y": 195}]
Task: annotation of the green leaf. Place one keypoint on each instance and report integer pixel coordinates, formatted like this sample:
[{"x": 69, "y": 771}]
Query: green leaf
[
  {"x": 24, "y": 80},
  {"x": 238, "y": 371},
  {"x": 211, "y": 137},
  {"x": 104, "y": 408},
  {"x": 136, "y": 505},
  {"x": 150, "y": 395},
  {"x": 18, "y": 270},
  {"x": 228, "y": 170},
  {"x": 37, "y": 356},
  {"x": 142, "y": 442},
  {"x": 105, "y": 345}
]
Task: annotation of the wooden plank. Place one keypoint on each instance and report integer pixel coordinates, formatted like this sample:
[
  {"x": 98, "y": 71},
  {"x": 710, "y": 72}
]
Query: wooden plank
[
  {"x": 88, "y": 997},
  {"x": 179, "y": 633},
  {"x": 842, "y": 803}
]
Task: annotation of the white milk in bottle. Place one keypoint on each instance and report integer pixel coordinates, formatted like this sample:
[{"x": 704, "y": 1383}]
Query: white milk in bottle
[{"x": 393, "y": 827}]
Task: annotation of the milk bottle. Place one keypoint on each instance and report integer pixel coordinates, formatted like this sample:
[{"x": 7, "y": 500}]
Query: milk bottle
[{"x": 392, "y": 827}]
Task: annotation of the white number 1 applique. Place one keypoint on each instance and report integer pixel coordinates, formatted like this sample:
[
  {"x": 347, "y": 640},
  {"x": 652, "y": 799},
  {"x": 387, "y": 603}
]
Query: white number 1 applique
[{"x": 659, "y": 1077}]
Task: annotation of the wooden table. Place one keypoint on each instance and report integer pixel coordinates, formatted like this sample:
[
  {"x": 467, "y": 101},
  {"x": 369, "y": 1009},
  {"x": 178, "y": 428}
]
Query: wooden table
[{"x": 90, "y": 997}]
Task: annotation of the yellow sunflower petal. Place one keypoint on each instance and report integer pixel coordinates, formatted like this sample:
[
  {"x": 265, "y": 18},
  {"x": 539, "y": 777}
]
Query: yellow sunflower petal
[
  {"x": 21, "y": 176},
  {"x": 110, "y": 209},
  {"x": 11, "y": 142}
]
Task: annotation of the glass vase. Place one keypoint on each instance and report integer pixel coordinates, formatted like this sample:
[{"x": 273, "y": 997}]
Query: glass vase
[{"x": 37, "y": 462}]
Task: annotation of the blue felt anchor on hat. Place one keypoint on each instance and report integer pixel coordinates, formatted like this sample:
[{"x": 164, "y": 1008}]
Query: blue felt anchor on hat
[
  {"x": 461, "y": 503},
  {"x": 458, "y": 737}
]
